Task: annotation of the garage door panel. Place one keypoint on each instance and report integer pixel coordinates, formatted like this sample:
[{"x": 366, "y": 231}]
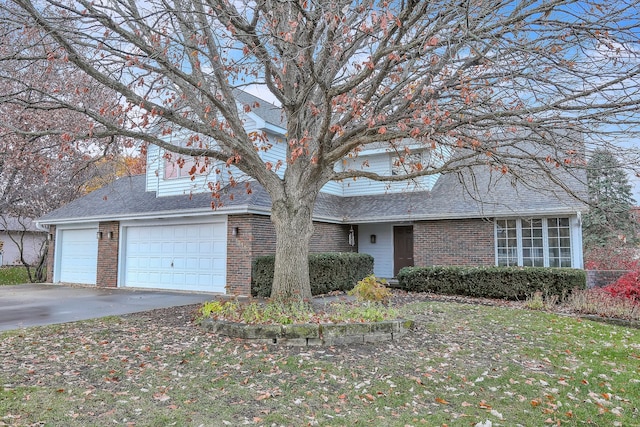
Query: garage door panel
[
  {"x": 78, "y": 256},
  {"x": 184, "y": 256}
]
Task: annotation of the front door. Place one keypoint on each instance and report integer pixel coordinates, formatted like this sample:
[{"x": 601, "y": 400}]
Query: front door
[{"x": 402, "y": 247}]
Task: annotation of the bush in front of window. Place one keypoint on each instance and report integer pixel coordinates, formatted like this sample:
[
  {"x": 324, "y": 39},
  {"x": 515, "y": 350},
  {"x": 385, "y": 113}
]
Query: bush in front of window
[
  {"x": 514, "y": 283},
  {"x": 328, "y": 271}
]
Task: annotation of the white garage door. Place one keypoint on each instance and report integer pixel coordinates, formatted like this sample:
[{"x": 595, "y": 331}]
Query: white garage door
[
  {"x": 78, "y": 260},
  {"x": 183, "y": 256}
]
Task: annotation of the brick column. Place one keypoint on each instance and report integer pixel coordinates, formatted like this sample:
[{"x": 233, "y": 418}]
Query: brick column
[{"x": 107, "y": 275}]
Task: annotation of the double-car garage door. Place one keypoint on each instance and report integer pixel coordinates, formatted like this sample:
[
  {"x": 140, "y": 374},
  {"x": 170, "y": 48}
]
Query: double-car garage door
[
  {"x": 176, "y": 256},
  {"x": 180, "y": 256}
]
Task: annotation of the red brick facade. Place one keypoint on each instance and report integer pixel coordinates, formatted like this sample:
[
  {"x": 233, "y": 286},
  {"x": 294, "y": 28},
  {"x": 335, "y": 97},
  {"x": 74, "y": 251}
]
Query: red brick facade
[
  {"x": 255, "y": 236},
  {"x": 454, "y": 242},
  {"x": 443, "y": 242},
  {"x": 107, "y": 274}
]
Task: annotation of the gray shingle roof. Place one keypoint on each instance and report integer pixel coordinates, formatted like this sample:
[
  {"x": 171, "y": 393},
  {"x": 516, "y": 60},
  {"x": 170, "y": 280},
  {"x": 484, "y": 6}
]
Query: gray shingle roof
[
  {"x": 265, "y": 110},
  {"x": 472, "y": 194}
]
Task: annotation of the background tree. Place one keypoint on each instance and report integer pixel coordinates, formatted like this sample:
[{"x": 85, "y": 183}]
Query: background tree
[
  {"x": 474, "y": 77},
  {"x": 610, "y": 222},
  {"x": 42, "y": 165}
]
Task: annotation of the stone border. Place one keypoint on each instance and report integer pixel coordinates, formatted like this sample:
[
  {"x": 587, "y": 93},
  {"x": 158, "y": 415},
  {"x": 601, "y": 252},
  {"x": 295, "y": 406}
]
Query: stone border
[{"x": 312, "y": 334}]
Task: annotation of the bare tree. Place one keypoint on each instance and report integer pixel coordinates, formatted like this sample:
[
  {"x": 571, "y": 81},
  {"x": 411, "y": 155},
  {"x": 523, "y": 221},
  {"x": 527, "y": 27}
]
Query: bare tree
[
  {"x": 349, "y": 75},
  {"x": 42, "y": 163}
]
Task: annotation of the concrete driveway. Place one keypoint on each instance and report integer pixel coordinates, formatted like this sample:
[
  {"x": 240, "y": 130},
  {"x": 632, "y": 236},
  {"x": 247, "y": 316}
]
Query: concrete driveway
[{"x": 45, "y": 304}]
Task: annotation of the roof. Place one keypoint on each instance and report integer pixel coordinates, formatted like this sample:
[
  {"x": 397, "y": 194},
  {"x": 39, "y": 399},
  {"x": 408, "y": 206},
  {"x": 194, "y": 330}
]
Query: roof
[
  {"x": 270, "y": 113},
  {"x": 471, "y": 194}
]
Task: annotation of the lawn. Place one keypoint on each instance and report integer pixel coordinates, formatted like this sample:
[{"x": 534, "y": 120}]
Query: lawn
[
  {"x": 462, "y": 365},
  {"x": 13, "y": 276}
]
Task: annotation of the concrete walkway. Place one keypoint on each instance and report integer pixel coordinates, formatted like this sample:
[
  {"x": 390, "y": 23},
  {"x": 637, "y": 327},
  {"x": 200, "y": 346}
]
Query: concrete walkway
[{"x": 44, "y": 304}]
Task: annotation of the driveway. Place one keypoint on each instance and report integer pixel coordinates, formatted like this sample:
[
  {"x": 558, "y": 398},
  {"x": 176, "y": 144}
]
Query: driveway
[{"x": 42, "y": 304}]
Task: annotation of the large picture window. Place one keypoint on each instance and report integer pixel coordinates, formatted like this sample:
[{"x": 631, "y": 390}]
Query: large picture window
[{"x": 539, "y": 242}]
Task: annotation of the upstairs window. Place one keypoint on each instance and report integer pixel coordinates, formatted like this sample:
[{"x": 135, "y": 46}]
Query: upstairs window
[
  {"x": 539, "y": 242},
  {"x": 181, "y": 166},
  {"x": 409, "y": 163}
]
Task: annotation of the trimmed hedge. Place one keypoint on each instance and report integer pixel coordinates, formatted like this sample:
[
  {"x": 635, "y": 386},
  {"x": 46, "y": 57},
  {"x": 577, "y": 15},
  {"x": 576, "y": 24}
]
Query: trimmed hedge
[
  {"x": 491, "y": 282},
  {"x": 330, "y": 271}
]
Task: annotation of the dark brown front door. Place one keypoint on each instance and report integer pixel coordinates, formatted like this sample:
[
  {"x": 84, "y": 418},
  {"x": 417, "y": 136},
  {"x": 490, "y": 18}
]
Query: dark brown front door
[{"x": 402, "y": 247}]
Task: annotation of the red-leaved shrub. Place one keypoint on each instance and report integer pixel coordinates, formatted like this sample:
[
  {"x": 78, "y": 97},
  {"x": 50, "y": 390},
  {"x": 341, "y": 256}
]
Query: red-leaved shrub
[{"x": 627, "y": 286}]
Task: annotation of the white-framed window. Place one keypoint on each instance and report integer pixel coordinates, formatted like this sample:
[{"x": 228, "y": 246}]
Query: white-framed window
[
  {"x": 409, "y": 162},
  {"x": 535, "y": 242},
  {"x": 181, "y": 166}
]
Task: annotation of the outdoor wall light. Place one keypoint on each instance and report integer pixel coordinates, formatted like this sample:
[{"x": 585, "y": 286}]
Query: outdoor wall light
[
  {"x": 50, "y": 236},
  {"x": 234, "y": 231},
  {"x": 372, "y": 238},
  {"x": 110, "y": 235},
  {"x": 99, "y": 235}
]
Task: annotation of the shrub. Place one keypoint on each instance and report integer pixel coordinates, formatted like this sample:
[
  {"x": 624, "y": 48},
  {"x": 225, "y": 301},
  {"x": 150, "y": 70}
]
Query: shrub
[
  {"x": 330, "y": 271},
  {"x": 491, "y": 282},
  {"x": 627, "y": 286},
  {"x": 371, "y": 289}
]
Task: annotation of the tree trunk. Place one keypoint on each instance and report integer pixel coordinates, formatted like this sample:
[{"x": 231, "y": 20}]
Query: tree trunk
[{"x": 292, "y": 218}]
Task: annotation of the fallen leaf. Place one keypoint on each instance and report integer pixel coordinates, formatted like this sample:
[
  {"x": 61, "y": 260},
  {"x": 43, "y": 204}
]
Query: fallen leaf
[
  {"x": 441, "y": 401},
  {"x": 161, "y": 397}
]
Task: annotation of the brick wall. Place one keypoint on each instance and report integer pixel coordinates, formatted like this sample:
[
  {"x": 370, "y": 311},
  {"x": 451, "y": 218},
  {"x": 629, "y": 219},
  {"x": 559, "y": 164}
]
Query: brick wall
[
  {"x": 454, "y": 242},
  {"x": 240, "y": 249},
  {"x": 256, "y": 237},
  {"x": 51, "y": 253},
  {"x": 107, "y": 275},
  {"x": 332, "y": 238}
]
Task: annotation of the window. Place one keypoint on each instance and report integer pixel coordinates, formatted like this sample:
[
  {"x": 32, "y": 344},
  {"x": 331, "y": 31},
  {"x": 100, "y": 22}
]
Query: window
[
  {"x": 178, "y": 166},
  {"x": 408, "y": 163},
  {"x": 507, "y": 241},
  {"x": 540, "y": 242}
]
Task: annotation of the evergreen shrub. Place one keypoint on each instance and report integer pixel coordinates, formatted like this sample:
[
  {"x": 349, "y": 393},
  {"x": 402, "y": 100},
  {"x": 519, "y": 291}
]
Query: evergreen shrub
[
  {"x": 328, "y": 271},
  {"x": 491, "y": 282}
]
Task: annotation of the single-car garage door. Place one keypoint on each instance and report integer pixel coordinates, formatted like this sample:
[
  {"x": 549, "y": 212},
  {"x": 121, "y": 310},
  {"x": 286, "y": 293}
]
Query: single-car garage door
[
  {"x": 78, "y": 259},
  {"x": 176, "y": 256}
]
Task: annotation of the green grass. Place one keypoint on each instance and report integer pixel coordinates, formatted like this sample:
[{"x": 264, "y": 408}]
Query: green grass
[
  {"x": 463, "y": 364},
  {"x": 13, "y": 276}
]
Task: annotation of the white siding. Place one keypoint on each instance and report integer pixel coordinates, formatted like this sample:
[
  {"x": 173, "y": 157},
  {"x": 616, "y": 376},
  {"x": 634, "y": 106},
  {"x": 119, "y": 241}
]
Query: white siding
[
  {"x": 175, "y": 186},
  {"x": 277, "y": 152},
  {"x": 381, "y": 251},
  {"x": 381, "y": 164},
  {"x": 333, "y": 187},
  {"x": 374, "y": 162}
]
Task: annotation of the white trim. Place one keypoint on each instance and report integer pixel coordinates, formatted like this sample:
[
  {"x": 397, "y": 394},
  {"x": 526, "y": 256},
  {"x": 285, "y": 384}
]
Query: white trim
[
  {"x": 264, "y": 125},
  {"x": 575, "y": 239}
]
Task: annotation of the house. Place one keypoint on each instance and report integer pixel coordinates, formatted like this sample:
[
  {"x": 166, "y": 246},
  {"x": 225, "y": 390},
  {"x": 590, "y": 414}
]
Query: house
[
  {"x": 159, "y": 230},
  {"x": 20, "y": 235}
]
